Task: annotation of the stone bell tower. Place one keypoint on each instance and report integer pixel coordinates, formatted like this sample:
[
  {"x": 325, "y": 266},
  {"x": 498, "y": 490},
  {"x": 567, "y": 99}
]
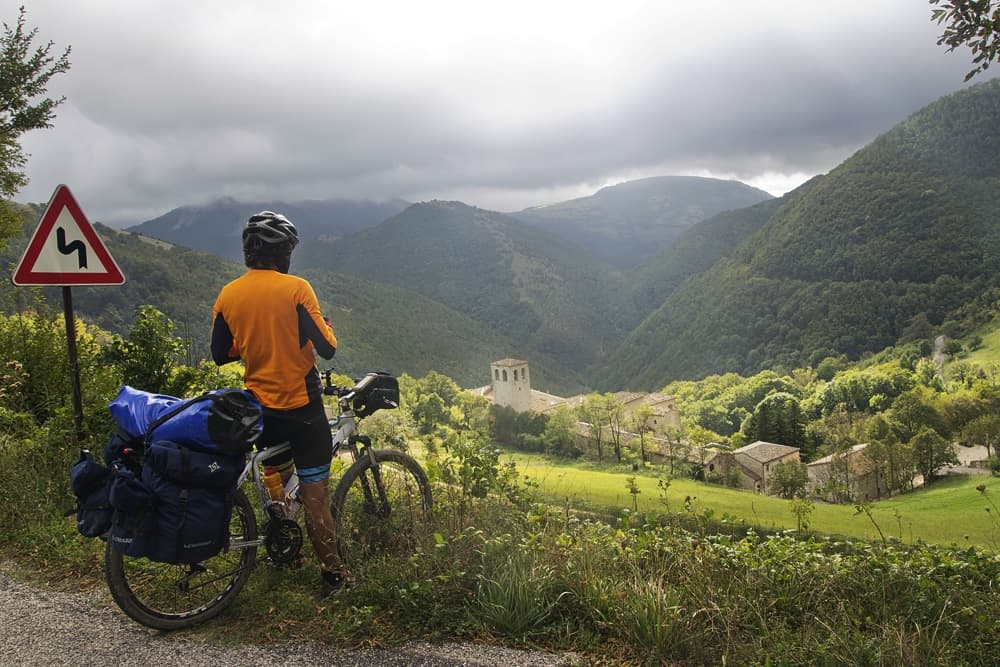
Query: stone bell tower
[{"x": 511, "y": 384}]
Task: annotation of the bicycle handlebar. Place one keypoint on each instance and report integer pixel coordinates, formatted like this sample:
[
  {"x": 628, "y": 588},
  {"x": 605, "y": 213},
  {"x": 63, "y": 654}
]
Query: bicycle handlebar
[{"x": 330, "y": 389}]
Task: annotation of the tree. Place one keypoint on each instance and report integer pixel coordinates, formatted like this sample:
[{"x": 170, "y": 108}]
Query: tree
[
  {"x": 639, "y": 421},
  {"x": 614, "y": 411},
  {"x": 24, "y": 77},
  {"x": 559, "y": 435},
  {"x": 777, "y": 418},
  {"x": 972, "y": 23},
  {"x": 915, "y": 409},
  {"x": 591, "y": 412},
  {"x": 148, "y": 357},
  {"x": 473, "y": 411},
  {"x": 789, "y": 479},
  {"x": 430, "y": 413},
  {"x": 983, "y": 430},
  {"x": 675, "y": 447},
  {"x": 931, "y": 452}
]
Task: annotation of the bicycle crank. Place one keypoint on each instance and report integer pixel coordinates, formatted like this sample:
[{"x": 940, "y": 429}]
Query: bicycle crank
[{"x": 283, "y": 540}]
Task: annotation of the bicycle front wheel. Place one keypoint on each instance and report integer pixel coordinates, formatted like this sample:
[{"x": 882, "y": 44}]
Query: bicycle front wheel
[
  {"x": 165, "y": 596},
  {"x": 381, "y": 510}
]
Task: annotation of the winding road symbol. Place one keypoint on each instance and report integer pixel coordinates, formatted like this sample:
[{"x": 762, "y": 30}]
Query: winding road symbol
[
  {"x": 79, "y": 247},
  {"x": 65, "y": 249}
]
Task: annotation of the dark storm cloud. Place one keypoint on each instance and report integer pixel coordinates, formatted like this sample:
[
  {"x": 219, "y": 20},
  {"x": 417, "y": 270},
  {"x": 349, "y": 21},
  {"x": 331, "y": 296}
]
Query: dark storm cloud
[{"x": 503, "y": 106}]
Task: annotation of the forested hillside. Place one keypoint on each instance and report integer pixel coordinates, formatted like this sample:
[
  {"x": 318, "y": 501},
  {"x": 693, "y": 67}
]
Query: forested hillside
[
  {"x": 695, "y": 251},
  {"x": 546, "y": 295},
  {"x": 378, "y": 326},
  {"x": 628, "y": 223},
  {"x": 901, "y": 240},
  {"x": 217, "y": 227}
]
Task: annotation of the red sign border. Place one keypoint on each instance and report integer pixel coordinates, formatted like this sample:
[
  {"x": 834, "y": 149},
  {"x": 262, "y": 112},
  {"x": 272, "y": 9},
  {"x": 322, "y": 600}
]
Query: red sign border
[{"x": 25, "y": 275}]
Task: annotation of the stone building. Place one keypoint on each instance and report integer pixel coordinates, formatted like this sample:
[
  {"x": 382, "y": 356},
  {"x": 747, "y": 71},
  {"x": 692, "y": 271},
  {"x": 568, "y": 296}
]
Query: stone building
[
  {"x": 848, "y": 476},
  {"x": 755, "y": 462},
  {"x": 511, "y": 384}
]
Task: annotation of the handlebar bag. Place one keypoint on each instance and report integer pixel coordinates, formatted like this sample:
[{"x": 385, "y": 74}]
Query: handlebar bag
[{"x": 381, "y": 393}]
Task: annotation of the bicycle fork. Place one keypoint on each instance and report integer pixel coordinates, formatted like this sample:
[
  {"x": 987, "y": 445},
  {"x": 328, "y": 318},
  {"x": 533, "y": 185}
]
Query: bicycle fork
[{"x": 373, "y": 487}]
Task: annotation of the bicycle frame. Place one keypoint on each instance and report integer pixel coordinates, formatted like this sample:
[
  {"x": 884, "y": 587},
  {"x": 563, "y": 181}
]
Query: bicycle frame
[{"x": 344, "y": 437}]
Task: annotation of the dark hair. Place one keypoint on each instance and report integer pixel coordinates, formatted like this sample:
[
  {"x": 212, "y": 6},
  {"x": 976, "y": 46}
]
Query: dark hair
[{"x": 269, "y": 257}]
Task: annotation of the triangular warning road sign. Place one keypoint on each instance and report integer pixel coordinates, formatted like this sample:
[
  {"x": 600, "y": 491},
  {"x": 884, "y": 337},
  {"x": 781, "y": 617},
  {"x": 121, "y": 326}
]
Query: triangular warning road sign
[{"x": 65, "y": 249}]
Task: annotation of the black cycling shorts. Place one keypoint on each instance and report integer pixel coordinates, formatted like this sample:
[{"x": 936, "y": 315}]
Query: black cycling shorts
[{"x": 308, "y": 431}]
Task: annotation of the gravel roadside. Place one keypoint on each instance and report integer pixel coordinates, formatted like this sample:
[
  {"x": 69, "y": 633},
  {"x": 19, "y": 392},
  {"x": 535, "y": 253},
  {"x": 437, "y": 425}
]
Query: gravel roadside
[{"x": 47, "y": 627}]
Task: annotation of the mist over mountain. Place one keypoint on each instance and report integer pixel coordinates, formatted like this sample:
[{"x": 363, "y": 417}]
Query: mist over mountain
[{"x": 217, "y": 227}]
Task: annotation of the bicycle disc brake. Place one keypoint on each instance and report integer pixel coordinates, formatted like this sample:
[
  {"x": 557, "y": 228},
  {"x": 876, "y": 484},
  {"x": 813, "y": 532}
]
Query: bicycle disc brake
[{"x": 283, "y": 540}]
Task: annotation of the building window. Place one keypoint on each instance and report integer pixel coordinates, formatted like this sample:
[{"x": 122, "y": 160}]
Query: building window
[
  {"x": 496, "y": 374},
  {"x": 505, "y": 375}
]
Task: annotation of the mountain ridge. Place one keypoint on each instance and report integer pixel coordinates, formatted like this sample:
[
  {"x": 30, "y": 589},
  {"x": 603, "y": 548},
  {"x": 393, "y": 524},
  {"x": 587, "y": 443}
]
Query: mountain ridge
[
  {"x": 847, "y": 263},
  {"x": 217, "y": 227}
]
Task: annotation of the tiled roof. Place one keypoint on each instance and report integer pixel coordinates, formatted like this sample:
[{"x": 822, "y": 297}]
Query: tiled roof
[
  {"x": 765, "y": 452},
  {"x": 829, "y": 459},
  {"x": 542, "y": 402},
  {"x": 509, "y": 362}
]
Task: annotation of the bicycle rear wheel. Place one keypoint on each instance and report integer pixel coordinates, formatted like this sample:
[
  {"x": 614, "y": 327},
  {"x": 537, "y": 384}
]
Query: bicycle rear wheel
[
  {"x": 373, "y": 524},
  {"x": 169, "y": 597}
]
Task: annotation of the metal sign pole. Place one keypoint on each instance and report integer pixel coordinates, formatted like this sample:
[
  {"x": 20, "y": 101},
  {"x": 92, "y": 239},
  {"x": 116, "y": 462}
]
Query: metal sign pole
[
  {"x": 59, "y": 253},
  {"x": 73, "y": 364}
]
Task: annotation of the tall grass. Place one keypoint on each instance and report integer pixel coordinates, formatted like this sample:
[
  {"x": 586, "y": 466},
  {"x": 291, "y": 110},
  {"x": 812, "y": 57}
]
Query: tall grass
[{"x": 504, "y": 566}]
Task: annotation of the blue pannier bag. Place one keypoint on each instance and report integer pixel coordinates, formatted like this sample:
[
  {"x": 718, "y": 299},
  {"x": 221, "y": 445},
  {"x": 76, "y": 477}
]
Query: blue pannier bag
[
  {"x": 133, "y": 529},
  {"x": 179, "y": 511},
  {"x": 119, "y": 447},
  {"x": 229, "y": 420},
  {"x": 90, "y": 482}
]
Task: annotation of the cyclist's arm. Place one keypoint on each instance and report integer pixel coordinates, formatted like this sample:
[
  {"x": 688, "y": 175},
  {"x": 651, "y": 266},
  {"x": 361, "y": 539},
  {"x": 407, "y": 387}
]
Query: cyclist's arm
[
  {"x": 223, "y": 344},
  {"x": 314, "y": 327}
]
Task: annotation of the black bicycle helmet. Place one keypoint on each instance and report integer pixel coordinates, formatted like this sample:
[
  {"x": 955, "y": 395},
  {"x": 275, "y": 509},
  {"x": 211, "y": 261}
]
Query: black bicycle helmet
[{"x": 269, "y": 229}]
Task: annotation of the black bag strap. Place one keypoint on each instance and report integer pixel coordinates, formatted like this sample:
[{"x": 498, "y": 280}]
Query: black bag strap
[{"x": 182, "y": 500}]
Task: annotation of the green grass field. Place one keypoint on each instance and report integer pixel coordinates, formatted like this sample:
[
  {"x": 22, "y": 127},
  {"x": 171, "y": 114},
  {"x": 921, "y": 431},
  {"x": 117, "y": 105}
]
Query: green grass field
[
  {"x": 988, "y": 353},
  {"x": 948, "y": 512}
]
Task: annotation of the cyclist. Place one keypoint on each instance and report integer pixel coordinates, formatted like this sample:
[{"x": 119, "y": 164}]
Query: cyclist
[{"x": 272, "y": 322}]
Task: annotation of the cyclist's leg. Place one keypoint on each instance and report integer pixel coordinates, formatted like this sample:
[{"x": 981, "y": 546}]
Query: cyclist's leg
[
  {"x": 315, "y": 496},
  {"x": 312, "y": 451},
  {"x": 275, "y": 433}
]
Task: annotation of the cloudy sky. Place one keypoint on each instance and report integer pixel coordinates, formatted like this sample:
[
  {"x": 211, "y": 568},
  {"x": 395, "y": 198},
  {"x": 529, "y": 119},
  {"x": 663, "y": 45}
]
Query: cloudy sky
[{"x": 499, "y": 104}]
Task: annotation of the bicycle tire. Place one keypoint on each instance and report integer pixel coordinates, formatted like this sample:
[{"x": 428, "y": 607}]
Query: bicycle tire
[
  {"x": 366, "y": 533},
  {"x": 165, "y": 596}
]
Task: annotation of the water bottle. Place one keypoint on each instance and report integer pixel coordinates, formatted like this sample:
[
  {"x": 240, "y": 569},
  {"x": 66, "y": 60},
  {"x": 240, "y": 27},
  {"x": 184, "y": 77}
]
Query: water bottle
[
  {"x": 291, "y": 494},
  {"x": 272, "y": 481}
]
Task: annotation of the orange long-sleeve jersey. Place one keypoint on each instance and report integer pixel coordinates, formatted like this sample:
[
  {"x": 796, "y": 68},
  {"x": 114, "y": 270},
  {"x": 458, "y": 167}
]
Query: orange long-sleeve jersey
[{"x": 272, "y": 322}]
